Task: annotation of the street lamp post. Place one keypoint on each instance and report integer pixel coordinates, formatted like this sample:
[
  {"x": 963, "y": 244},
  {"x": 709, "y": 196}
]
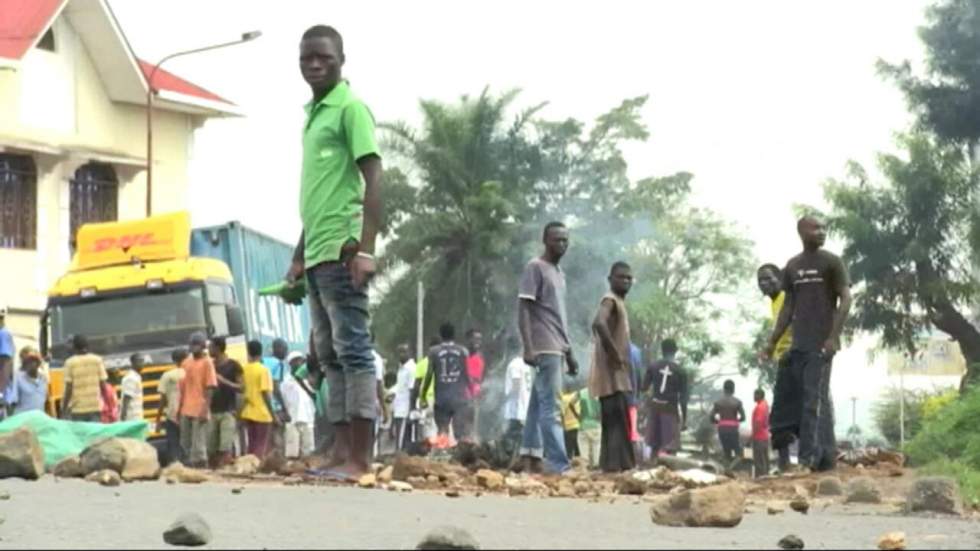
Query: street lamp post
[{"x": 246, "y": 37}]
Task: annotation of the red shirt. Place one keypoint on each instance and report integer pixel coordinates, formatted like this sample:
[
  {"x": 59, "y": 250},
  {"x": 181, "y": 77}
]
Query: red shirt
[
  {"x": 474, "y": 368},
  {"x": 760, "y": 421}
]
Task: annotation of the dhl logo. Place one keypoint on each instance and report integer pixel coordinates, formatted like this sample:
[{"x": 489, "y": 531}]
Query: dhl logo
[{"x": 125, "y": 242}]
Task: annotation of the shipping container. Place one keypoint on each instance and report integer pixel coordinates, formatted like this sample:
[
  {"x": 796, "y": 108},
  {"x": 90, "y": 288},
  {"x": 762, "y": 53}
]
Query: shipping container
[{"x": 256, "y": 261}]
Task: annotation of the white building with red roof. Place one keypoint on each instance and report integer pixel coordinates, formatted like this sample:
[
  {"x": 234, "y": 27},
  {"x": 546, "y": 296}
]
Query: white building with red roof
[{"x": 73, "y": 139}]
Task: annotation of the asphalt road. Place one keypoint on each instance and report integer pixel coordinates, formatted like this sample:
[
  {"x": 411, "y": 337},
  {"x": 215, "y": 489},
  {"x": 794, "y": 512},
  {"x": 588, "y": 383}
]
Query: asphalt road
[{"x": 72, "y": 514}]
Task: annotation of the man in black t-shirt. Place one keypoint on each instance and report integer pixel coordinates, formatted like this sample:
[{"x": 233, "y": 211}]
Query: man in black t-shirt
[
  {"x": 666, "y": 382},
  {"x": 447, "y": 368},
  {"x": 818, "y": 300},
  {"x": 223, "y": 425}
]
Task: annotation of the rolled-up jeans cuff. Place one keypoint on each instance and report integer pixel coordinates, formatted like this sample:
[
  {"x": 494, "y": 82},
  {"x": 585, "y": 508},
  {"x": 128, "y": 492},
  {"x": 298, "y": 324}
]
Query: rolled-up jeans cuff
[
  {"x": 528, "y": 452},
  {"x": 362, "y": 395}
]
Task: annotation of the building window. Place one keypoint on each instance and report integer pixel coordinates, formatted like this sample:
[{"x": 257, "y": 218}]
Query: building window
[
  {"x": 47, "y": 41},
  {"x": 18, "y": 202},
  {"x": 94, "y": 197}
]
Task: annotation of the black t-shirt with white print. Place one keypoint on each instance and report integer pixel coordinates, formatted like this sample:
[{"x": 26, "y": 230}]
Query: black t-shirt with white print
[{"x": 815, "y": 281}]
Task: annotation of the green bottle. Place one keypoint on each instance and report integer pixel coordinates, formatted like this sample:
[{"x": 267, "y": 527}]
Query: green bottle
[{"x": 291, "y": 293}]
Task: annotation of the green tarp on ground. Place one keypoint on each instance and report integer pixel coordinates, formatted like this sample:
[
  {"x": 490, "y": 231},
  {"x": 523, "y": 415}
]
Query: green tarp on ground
[{"x": 61, "y": 439}]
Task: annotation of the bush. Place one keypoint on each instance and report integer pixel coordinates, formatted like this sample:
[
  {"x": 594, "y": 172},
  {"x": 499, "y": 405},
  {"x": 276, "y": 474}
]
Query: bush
[
  {"x": 950, "y": 433},
  {"x": 887, "y": 416}
]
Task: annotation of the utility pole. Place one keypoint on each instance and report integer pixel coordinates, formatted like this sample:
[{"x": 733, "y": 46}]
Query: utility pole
[
  {"x": 420, "y": 319},
  {"x": 150, "y": 91}
]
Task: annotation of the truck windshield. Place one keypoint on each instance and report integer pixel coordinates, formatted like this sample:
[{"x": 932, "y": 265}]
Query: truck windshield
[{"x": 129, "y": 323}]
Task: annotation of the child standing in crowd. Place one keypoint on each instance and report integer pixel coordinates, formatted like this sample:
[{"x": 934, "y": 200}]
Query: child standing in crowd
[
  {"x": 571, "y": 420},
  {"x": 760, "y": 434},
  {"x": 132, "y": 390}
]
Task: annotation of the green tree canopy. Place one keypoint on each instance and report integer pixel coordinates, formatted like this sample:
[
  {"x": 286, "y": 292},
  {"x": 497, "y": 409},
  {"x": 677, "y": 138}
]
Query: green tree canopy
[
  {"x": 947, "y": 98},
  {"x": 479, "y": 184},
  {"x": 907, "y": 244}
]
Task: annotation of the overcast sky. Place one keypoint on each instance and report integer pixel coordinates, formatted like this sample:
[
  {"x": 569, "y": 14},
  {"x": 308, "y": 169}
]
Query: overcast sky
[{"x": 762, "y": 101}]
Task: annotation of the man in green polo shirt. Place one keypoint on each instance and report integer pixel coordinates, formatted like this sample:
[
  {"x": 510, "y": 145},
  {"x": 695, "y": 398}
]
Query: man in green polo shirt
[{"x": 340, "y": 205}]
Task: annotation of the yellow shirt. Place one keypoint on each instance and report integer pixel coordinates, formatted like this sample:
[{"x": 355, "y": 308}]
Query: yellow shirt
[
  {"x": 257, "y": 380},
  {"x": 786, "y": 341},
  {"x": 570, "y": 411},
  {"x": 85, "y": 372}
]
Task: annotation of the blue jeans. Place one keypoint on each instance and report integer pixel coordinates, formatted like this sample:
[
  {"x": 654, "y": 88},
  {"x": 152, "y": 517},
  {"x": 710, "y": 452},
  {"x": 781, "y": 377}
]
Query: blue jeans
[
  {"x": 543, "y": 433},
  {"x": 818, "y": 447},
  {"x": 339, "y": 315}
]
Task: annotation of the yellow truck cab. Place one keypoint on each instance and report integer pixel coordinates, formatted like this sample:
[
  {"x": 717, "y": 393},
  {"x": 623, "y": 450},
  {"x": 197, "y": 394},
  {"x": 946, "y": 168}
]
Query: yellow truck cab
[{"x": 134, "y": 288}]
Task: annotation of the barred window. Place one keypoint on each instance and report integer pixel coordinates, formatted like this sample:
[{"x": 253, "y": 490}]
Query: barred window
[
  {"x": 18, "y": 202},
  {"x": 94, "y": 197}
]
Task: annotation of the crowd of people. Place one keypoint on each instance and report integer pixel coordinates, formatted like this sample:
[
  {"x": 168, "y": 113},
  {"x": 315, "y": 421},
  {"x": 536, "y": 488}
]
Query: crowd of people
[{"x": 212, "y": 406}]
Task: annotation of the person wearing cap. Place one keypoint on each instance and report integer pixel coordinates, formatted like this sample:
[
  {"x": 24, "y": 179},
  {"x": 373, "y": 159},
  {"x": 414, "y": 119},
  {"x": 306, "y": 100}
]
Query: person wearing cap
[
  {"x": 196, "y": 390},
  {"x": 30, "y": 386},
  {"x": 300, "y": 408},
  {"x": 85, "y": 378},
  {"x": 6, "y": 361}
]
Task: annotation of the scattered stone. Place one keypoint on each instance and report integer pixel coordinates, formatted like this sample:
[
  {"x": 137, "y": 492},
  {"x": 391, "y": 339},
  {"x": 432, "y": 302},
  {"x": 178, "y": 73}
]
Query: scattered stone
[
  {"x": 376, "y": 467},
  {"x": 566, "y": 489},
  {"x": 582, "y": 487},
  {"x": 448, "y": 537},
  {"x": 862, "y": 489},
  {"x": 133, "y": 459},
  {"x": 399, "y": 486},
  {"x": 452, "y": 493},
  {"x": 386, "y": 475},
  {"x": 4, "y": 495},
  {"x": 177, "y": 472},
  {"x": 791, "y": 542},
  {"x": 368, "y": 481},
  {"x": 105, "y": 477},
  {"x": 21, "y": 455},
  {"x": 699, "y": 478},
  {"x": 491, "y": 480},
  {"x": 417, "y": 481},
  {"x": 715, "y": 506},
  {"x": 830, "y": 486},
  {"x": 628, "y": 484},
  {"x": 246, "y": 465},
  {"x": 934, "y": 494},
  {"x": 189, "y": 530},
  {"x": 892, "y": 541},
  {"x": 432, "y": 479},
  {"x": 774, "y": 509},
  {"x": 407, "y": 466},
  {"x": 69, "y": 467},
  {"x": 237, "y": 491},
  {"x": 800, "y": 504},
  {"x": 891, "y": 457},
  {"x": 273, "y": 463}
]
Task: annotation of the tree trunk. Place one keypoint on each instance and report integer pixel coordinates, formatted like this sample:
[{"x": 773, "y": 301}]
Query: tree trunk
[{"x": 944, "y": 315}]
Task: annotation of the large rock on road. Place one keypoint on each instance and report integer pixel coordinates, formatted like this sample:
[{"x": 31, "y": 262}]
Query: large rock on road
[
  {"x": 21, "y": 455},
  {"x": 132, "y": 459},
  {"x": 716, "y": 506},
  {"x": 936, "y": 495}
]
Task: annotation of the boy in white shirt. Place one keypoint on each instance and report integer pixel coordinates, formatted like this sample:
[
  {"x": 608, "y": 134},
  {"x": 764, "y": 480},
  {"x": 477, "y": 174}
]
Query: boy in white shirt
[
  {"x": 301, "y": 409},
  {"x": 402, "y": 405},
  {"x": 131, "y": 408}
]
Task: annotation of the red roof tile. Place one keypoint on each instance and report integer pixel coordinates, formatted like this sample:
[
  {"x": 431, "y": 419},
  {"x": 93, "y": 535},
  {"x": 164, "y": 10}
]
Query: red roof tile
[
  {"x": 21, "y": 24},
  {"x": 165, "y": 80},
  {"x": 23, "y": 21}
]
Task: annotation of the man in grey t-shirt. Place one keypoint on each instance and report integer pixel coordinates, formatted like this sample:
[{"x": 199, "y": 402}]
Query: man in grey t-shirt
[{"x": 544, "y": 332}]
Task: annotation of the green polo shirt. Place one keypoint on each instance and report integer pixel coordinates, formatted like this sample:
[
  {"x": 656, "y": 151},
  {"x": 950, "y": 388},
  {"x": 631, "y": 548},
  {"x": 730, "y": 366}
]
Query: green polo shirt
[{"x": 339, "y": 130}]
